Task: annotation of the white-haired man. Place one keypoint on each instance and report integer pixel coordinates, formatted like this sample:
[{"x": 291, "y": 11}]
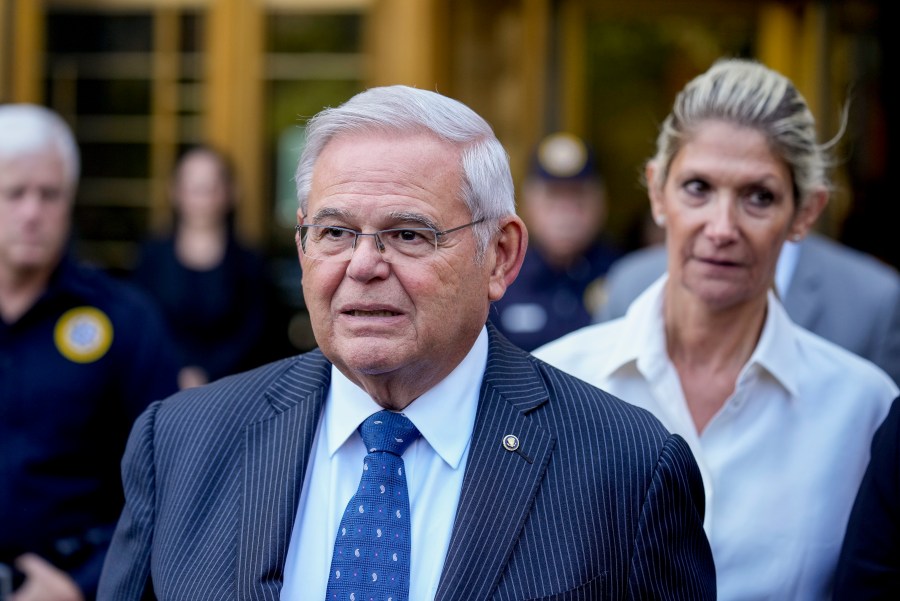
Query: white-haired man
[
  {"x": 416, "y": 454},
  {"x": 81, "y": 356}
]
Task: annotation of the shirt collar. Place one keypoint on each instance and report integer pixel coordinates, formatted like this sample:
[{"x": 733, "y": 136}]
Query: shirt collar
[
  {"x": 645, "y": 344},
  {"x": 444, "y": 415},
  {"x": 777, "y": 347}
]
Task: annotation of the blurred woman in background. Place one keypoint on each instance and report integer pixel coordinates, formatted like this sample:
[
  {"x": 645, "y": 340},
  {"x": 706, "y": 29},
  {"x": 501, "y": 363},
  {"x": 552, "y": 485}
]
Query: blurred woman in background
[{"x": 212, "y": 289}]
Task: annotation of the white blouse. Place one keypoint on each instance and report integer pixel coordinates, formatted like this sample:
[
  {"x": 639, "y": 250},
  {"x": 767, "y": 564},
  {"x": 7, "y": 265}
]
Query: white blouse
[{"x": 781, "y": 460}]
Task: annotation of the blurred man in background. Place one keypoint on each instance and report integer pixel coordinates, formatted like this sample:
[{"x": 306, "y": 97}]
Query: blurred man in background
[
  {"x": 564, "y": 205},
  {"x": 81, "y": 355}
]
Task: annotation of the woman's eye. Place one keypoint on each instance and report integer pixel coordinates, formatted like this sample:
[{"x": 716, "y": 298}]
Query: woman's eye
[{"x": 761, "y": 198}]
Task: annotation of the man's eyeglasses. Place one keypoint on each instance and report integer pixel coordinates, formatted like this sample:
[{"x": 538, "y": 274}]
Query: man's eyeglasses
[{"x": 336, "y": 243}]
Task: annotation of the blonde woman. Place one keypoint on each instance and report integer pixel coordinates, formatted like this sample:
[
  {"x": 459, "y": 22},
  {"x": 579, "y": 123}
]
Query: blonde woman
[{"x": 779, "y": 419}]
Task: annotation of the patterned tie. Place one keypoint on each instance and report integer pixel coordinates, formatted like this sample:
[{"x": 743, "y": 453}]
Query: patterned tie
[{"x": 371, "y": 550}]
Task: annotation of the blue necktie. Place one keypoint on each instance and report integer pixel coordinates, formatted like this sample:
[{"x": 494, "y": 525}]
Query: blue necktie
[{"x": 371, "y": 551}]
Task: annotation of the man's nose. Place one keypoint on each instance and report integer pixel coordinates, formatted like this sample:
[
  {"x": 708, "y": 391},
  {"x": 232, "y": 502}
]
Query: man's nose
[
  {"x": 367, "y": 261},
  {"x": 32, "y": 203},
  {"x": 376, "y": 240}
]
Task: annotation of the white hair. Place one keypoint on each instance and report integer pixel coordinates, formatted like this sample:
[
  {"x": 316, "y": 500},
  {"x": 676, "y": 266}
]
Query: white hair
[
  {"x": 487, "y": 185},
  {"x": 29, "y": 128}
]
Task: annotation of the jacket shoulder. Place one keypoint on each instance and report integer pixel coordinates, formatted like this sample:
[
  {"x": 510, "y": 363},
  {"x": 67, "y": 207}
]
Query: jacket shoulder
[
  {"x": 589, "y": 423},
  {"x": 242, "y": 398},
  {"x": 845, "y": 264}
]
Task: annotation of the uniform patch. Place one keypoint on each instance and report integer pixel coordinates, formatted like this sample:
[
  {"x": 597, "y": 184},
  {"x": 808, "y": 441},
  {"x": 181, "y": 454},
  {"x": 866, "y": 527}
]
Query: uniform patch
[{"x": 83, "y": 334}]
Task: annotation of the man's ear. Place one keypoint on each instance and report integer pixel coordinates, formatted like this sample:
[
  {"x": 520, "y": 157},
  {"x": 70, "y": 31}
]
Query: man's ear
[
  {"x": 509, "y": 251},
  {"x": 807, "y": 214}
]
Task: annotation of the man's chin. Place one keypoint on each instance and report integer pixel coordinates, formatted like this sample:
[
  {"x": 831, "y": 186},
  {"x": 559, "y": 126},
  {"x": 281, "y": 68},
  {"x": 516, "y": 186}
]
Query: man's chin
[{"x": 369, "y": 356}]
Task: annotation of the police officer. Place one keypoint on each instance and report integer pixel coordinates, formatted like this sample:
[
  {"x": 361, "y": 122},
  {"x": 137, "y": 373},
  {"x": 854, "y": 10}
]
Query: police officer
[
  {"x": 564, "y": 206},
  {"x": 81, "y": 355}
]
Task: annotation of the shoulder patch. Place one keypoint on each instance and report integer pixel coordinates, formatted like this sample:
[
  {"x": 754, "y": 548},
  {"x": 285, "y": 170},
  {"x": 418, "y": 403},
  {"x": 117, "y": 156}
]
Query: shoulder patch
[{"x": 83, "y": 334}]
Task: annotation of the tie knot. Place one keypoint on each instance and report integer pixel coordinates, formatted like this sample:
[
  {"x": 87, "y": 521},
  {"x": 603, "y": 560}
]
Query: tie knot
[{"x": 388, "y": 431}]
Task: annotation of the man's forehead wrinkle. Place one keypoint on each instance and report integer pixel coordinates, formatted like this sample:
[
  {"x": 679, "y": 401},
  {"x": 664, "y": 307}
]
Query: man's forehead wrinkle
[
  {"x": 345, "y": 182},
  {"x": 393, "y": 187},
  {"x": 372, "y": 181}
]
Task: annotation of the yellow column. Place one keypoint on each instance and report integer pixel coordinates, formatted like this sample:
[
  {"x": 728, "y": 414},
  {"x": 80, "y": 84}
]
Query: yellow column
[
  {"x": 234, "y": 101},
  {"x": 536, "y": 17},
  {"x": 27, "y": 64},
  {"x": 402, "y": 43},
  {"x": 814, "y": 81},
  {"x": 778, "y": 37},
  {"x": 793, "y": 41},
  {"x": 573, "y": 55},
  {"x": 164, "y": 126},
  {"x": 4, "y": 51},
  {"x": 812, "y": 78}
]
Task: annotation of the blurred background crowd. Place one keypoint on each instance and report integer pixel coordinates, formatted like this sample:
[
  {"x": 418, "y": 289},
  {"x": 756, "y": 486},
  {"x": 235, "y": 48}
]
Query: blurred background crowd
[
  {"x": 143, "y": 81},
  {"x": 189, "y": 116}
]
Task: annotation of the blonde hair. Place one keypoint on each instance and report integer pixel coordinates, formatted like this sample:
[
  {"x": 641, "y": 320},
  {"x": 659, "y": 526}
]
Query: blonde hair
[{"x": 749, "y": 94}]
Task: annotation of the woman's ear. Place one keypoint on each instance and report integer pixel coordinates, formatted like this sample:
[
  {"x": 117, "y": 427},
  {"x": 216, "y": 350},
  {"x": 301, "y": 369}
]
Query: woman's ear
[
  {"x": 807, "y": 214},
  {"x": 657, "y": 207},
  {"x": 509, "y": 248}
]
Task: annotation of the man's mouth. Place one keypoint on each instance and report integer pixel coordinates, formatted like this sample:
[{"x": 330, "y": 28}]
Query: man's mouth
[{"x": 358, "y": 313}]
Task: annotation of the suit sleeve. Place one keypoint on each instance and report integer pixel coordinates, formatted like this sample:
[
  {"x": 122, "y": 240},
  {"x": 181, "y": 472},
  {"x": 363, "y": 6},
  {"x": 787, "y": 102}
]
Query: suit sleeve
[
  {"x": 869, "y": 566},
  {"x": 672, "y": 558},
  {"x": 126, "y": 572}
]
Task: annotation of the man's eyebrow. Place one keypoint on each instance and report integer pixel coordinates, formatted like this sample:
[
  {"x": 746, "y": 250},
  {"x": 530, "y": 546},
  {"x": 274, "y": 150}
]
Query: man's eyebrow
[
  {"x": 398, "y": 216},
  {"x": 416, "y": 217},
  {"x": 330, "y": 212}
]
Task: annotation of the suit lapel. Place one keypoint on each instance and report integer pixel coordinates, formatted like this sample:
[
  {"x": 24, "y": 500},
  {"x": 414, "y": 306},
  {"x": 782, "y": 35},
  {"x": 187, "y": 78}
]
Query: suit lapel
[
  {"x": 276, "y": 455},
  {"x": 499, "y": 485}
]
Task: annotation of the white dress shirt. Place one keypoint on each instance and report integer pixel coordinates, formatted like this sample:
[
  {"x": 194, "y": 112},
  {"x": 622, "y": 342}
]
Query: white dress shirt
[
  {"x": 435, "y": 464},
  {"x": 781, "y": 460}
]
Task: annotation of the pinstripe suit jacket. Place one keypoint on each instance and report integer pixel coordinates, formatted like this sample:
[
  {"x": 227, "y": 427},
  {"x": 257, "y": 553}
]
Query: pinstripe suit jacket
[{"x": 599, "y": 502}]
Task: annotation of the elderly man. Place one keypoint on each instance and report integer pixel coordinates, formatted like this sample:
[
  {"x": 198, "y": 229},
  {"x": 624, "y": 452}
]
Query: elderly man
[
  {"x": 81, "y": 356},
  {"x": 416, "y": 454}
]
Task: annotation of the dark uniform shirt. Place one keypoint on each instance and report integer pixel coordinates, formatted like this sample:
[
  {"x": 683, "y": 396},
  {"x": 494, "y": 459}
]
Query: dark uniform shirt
[
  {"x": 75, "y": 371},
  {"x": 545, "y": 303}
]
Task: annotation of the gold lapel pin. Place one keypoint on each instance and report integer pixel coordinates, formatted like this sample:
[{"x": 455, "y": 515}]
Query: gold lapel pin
[{"x": 510, "y": 442}]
